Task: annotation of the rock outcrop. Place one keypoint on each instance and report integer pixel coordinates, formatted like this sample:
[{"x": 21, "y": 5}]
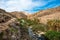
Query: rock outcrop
[{"x": 9, "y": 26}]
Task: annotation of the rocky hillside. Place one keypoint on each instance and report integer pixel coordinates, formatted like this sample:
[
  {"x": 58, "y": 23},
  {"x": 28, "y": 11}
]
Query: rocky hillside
[
  {"x": 9, "y": 26},
  {"x": 4, "y": 17},
  {"x": 42, "y": 15},
  {"x": 8, "y": 23},
  {"x": 48, "y": 14},
  {"x": 19, "y": 14}
]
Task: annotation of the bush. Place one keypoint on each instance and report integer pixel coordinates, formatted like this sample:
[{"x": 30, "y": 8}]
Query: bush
[
  {"x": 53, "y": 35},
  {"x": 39, "y": 27},
  {"x": 36, "y": 26},
  {"x": 53, "y": 24}
]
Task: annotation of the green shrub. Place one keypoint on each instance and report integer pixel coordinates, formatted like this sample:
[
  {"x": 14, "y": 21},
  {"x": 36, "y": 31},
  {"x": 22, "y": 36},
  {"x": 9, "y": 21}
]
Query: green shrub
[
  {"x": 39, "y": 27},
  {"x": 36, "y": 26},
  {"x": 53, "y": 35}
]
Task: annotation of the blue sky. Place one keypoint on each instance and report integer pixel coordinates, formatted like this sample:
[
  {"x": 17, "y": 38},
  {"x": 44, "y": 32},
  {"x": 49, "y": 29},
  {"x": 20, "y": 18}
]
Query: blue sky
[{"x": 30, "y": 6}]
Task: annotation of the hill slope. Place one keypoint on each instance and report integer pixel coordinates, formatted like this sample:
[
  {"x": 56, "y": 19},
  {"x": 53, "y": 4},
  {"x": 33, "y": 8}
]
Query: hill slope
[
  {"x": 19, "y": 14},
  {"x": 48, "y": 14}
]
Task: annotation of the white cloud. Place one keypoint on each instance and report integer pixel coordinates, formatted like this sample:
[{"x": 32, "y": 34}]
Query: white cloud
[{"x": 20, "y": 5}]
